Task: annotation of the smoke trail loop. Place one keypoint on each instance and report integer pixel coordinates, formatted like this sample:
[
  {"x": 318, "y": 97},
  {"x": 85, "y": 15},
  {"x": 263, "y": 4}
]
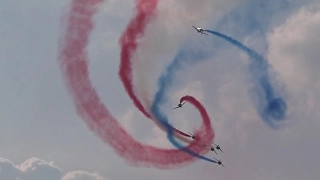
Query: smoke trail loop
[{"x": 271, "y": 107}]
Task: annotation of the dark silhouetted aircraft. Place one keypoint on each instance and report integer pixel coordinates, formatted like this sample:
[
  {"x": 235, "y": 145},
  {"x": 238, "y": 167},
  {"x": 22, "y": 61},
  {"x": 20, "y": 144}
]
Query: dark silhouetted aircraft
[
  {"x": 179, "y": 105},
  {"x": 218, "y": 147},
  {"x": 192, "y": 136},
  {"x": 219, "y": 162}
]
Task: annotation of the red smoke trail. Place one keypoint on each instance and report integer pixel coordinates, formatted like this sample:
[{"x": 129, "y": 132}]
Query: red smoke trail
[
  {"x": 73, "y": 63},
  {"x": 146, "y": 10},
  {"x": 206, "y": 127}
]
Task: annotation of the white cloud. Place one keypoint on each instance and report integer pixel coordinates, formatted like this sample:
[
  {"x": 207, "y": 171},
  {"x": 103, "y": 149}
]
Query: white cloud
[
  {"x": 294, "y": 53},
  {"x": 31, "y": 169},
  {"x": 37, "y": 169},
  {"x": 82, "y": 175}
]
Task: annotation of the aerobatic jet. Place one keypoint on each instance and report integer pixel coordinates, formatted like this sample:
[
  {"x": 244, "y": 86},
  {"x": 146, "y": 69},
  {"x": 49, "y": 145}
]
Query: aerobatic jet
[
  {"x": 219, "y": 162},
  {"x": 179, "y": 105},
  {"x": 200, "y": 30},
  {"x": 192, "y": 136},
  {"x": 218, "y": 147},
  {"x": 212, "y": 149}
]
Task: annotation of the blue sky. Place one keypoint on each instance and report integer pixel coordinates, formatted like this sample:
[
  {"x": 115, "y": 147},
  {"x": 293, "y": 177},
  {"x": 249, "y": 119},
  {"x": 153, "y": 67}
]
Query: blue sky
[{"x": 38, "y": 118}]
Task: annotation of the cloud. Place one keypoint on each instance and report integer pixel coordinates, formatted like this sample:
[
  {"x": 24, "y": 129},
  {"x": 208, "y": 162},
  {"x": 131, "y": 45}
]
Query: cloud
[
  {"x": 82, "y": 175},
  {"x": 294, "y": 53},
  {"x": 37, "y": 169},
  {"x": 31, "y": 169}
]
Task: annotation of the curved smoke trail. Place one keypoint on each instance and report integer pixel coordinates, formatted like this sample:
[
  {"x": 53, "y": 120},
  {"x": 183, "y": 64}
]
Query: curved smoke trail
[
  {"x": 165, "y": 81},
  {"x": 270, "y": 105},
  {"x": 206, "y": 126},
  {"x": 128, "y": 41},
  {"x": 73, "y": 63},
  {"x": 129, "y": 44},
  {"x": 146, "y": 10}
]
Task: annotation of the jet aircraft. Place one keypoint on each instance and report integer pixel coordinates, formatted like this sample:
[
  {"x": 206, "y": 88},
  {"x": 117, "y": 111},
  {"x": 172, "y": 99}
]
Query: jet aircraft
[
  {"x": 218, "y": 147},
  {"x": 179, "y": 105},
  {"x": 211, "y": 148},
  {"x": 192, "y": 136},
  {"x": 219, "y": 162},
  {"x": 200, "y": 30}
]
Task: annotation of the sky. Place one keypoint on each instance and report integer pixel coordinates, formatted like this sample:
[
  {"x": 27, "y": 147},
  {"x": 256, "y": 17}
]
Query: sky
[{"x": 42, "y": 136}]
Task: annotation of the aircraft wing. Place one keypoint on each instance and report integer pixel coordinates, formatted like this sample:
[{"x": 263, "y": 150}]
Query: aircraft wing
[
  {"x": 190, "y": 134},
  {"x": 205, "y": 33},
  {"x": 195, "y": 28},
  {"x": 175, "y": 107}
]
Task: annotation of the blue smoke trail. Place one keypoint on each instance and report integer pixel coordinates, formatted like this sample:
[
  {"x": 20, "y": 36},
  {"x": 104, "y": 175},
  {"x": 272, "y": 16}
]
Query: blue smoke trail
[
  {"x": 271, "y": 108},
  {"x": 165, "y": 81},
  {"x": 275, "y": 108},
  {"x": 258, "y": 22}
]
